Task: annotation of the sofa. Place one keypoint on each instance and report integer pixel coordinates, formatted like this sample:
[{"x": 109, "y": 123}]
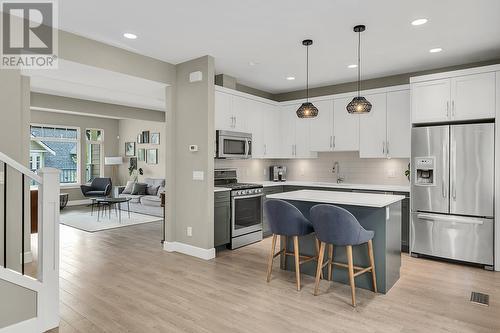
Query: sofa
[{"x": 148, "y": 202}]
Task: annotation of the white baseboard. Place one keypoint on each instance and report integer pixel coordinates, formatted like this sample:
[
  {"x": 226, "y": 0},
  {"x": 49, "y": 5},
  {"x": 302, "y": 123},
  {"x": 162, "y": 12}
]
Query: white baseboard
[
  {"x": 79, "y": 202},
  {"x": 28, "y": 326},
  {"x": 190, "y": 250}
]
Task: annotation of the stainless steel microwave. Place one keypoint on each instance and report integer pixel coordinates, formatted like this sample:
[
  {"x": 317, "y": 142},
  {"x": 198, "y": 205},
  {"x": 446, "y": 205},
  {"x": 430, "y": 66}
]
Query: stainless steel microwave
[{"x": 236, "y": 145}]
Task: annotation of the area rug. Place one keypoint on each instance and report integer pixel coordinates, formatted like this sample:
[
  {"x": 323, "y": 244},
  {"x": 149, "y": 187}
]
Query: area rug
[{"x": 81, "y": 219}]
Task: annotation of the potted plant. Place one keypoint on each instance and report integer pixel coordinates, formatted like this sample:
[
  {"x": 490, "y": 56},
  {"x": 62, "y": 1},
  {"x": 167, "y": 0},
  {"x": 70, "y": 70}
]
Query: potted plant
[{"x": 408, "y": 172}]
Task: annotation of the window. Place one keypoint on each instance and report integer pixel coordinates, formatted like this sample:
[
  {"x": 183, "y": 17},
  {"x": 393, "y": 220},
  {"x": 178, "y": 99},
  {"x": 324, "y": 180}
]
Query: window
[
  {"x": 93, "y": 154},
  {"x": 56, "y": 147}
]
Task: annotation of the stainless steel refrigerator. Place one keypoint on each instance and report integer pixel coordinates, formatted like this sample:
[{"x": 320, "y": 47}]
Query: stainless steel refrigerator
[{"x": 452, "y": 192}]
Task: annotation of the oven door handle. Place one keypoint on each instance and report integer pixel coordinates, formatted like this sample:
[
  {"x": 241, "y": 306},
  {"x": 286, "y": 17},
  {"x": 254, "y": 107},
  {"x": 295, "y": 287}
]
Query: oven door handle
[{"x": 248, "y": 196}]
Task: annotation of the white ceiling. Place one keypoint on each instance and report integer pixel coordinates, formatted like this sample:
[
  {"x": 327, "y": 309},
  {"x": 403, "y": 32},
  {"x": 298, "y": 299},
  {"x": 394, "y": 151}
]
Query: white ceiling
[
  {"x": 92, "y": 83},
  {"x": 269, "y": 33}
]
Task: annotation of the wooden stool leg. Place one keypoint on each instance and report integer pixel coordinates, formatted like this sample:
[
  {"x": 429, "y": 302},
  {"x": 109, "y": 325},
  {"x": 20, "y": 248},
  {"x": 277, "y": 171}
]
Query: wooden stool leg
[
  {"x": 283, "y": 243},
  {"x": 372, "y": 265},
  {"x": 271, "y": 257},
  {"x": 320, "y": 267},
  {"x": 330, "y": 262},
  {"x": 351, "y": 273},
  {"x": 317, "y": 253},
  {"x": 297, "y": 260}
]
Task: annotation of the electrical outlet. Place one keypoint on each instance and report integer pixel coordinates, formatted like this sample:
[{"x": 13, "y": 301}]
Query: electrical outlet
[
  {"x": 265, "y": 172},
  {"x": 189, "y": 231},
  {"x": 391, "y": 173}
]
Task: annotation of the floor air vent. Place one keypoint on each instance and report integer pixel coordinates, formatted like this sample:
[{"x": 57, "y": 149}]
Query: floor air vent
[{"x": 480, "y": 298}]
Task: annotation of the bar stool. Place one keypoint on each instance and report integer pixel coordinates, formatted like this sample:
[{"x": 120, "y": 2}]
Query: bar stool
[
  {"x": 336, "y": 226},
  {"x": 286, "y": 220}
]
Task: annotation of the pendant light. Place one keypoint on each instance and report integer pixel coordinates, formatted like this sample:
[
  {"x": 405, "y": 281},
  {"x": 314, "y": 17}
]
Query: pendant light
[
  {"x": 359, "y": 104},
  {"x": 307, "y": 109}
]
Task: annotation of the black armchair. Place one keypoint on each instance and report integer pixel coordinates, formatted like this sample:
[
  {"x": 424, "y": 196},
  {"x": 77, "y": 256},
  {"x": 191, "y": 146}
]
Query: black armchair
[{"x": 100, "y": 187}]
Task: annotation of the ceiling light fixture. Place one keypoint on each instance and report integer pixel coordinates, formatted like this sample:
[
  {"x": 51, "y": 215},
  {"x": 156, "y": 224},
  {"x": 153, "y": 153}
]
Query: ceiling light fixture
[
  {"x": 130, "y": 35},
  {"x": 307, "y": 109},
  {"x": 352, "y": 66},
  {"x": 252, "y": 63},
  {"x": 359, "y": 104},
  {"x": 290, "y": 78},
  {"x": 436, "y": 50},
  {"x": 419, "y": 21}
]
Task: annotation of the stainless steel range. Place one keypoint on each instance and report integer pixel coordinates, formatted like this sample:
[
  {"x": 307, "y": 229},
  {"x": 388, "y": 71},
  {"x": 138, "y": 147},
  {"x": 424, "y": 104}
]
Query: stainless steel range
[{"x": 246, "y": 208}]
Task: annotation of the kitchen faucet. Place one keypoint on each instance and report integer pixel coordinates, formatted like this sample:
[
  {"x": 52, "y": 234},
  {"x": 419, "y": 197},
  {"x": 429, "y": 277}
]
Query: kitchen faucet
[{"x": 336, "y": 170}]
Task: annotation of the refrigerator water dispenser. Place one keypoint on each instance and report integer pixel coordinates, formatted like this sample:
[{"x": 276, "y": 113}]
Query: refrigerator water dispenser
[{"x": 425, "y": 174}]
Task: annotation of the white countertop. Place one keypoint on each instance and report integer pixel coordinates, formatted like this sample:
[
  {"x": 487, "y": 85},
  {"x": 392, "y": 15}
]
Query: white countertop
[
  {"x": 221, "y": 189},
  {"x": 339, "y": 198},
  {"x": 373, "y": 187}
]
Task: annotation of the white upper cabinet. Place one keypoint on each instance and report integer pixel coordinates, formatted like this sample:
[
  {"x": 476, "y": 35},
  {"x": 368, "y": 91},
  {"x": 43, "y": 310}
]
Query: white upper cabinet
[
  {"x": 373, "y": 128},
  {"x": 473, "y": 96},
  {"x": 455, "y": 96},
  {"x": 241, "y": 110},
  {"x": 430, "y": 101},
  {"x": 272, "y": 131},
  {"x": 398, "y": 124},
  {"x": 321, "y": 127},
  {"x": 287, "y": 120},
  {"x": 254, "y": 121},
  {"x": 345, "y": 127},
  {"x": 223, "y": 111}
]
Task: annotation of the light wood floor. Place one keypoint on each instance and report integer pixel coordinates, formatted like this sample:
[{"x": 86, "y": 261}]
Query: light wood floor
[{"x": 121, "y": 281}]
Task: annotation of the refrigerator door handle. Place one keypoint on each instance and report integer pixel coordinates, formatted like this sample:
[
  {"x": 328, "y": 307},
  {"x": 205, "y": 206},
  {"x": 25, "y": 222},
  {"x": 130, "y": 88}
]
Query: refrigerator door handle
[
  {"x": 453, "y": 160},
  {"x": 443, "y": 173},
  {"x": 457, "y": 219}
]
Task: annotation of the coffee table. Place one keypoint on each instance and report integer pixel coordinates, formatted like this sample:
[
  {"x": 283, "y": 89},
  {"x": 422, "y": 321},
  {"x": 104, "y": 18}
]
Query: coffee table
[{"x": 110, "y": 202}]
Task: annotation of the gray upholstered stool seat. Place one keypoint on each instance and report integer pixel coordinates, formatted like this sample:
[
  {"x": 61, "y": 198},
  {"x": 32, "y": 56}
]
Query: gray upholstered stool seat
[
  {"x": 287, "y": 221},
  {"x": 336, "y": 226}
]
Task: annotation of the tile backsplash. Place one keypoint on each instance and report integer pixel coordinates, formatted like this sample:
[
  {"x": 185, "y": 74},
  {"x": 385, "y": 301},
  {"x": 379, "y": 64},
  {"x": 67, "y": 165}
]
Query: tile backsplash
[{"x": 352, "y": 168}]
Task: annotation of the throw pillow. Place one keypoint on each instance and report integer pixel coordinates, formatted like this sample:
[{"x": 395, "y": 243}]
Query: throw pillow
[
  {"x": 139, "y": 189},
  {"x": 129, "y": 187},
  {"x": 161, "y": 189},
  {"x": 152, "y": 190}
]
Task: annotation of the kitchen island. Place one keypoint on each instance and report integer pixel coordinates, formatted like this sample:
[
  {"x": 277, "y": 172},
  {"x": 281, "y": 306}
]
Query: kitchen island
[{"x": 378, "y": 212}]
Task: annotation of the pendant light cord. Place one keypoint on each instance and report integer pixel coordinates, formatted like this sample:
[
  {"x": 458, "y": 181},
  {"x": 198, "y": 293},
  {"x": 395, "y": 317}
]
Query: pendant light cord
[
  {"x": 307, "y": 73},
  {"x": 359, "y": 62}
]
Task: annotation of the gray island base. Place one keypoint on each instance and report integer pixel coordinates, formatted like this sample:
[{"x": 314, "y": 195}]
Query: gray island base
[{"x": 378, "y": 212}]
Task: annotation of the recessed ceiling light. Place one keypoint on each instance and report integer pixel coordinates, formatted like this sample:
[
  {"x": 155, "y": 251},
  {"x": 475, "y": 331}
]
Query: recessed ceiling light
[
  {"x": 436, "y": 50},
  {"x": 253, "y": 63},
  {"x": 290, "y": 78},
  {"x": 419, "y": 21},
  {"x": 352, "y": 66},
  {"x": 130, "y": 35}
]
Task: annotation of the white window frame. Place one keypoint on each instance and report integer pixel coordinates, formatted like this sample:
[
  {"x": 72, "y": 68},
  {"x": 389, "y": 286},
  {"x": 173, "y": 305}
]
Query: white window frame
[
  {"x": 78, "y": 149},
  {"x": 101, "y": 153}
]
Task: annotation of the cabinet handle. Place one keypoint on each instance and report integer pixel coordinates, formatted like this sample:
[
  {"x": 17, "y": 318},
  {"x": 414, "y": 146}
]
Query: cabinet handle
[
  {"x": 383, "y": 147},
  {"x": 265, "y": 149},
  {"x": 387, "y": 147},
  {"x": 334, "y": 142},
  {"x": 331, "y": 141},
  {"x": 447, "y": 109},
  {"x": 234, "y": 122},
  {"x": 453, "y": 108}
]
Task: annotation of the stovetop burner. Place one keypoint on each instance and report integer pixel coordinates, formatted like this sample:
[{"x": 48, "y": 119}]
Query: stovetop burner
[{"x": 241, "y": 186}]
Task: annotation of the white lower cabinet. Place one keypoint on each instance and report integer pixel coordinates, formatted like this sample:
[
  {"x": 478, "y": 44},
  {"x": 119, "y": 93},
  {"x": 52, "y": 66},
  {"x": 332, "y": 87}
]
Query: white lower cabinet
[
  {"x": 373, "y": 128},
  {"x": 345, "y": 127}
]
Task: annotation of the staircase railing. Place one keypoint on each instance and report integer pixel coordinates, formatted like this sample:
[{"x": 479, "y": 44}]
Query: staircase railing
[{"x": 45, "y": 283}]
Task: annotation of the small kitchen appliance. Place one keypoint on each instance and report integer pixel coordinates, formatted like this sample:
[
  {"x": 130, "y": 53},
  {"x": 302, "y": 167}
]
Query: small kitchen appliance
[{"x": 277, "y": 173}]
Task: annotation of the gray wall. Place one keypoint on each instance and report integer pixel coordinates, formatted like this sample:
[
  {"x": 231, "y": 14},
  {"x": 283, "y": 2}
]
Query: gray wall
[
  {"x": 129, "y": 129},
  {"x": 110, "y": 144},
  {"x": 191, "y": 122}
]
